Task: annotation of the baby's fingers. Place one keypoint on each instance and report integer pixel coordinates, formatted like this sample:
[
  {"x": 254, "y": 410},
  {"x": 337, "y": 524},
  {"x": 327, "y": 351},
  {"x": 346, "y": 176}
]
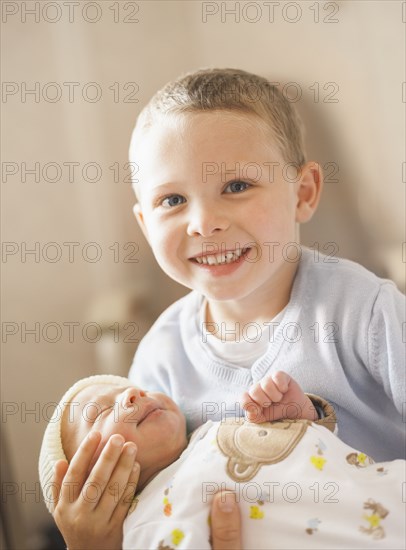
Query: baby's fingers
[
  {"x": 246, "y": 401},
  {"x": 281, "y": 380},
  {"x": 253, "y": 411},
  {"x": 275, "y": 386},
  {"x": 264, "y": 393}
]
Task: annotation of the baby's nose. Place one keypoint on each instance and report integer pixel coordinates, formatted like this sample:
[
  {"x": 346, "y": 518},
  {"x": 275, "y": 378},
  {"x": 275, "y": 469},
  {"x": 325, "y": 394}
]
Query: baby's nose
[{"x": 130, "y": 396}]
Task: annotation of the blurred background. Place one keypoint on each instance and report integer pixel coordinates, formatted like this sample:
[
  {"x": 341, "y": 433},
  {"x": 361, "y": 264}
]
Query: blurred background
[{"x": 79, "y": 284}]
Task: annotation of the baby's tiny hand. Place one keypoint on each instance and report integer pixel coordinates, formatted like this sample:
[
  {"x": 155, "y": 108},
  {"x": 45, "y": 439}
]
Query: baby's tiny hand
[{"x": 276, "y": 397}]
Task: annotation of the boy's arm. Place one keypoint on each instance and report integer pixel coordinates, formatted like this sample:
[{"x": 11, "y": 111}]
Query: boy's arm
[
  {"x": 386, "y": 343},
  {"x": 148, "y": 369}
]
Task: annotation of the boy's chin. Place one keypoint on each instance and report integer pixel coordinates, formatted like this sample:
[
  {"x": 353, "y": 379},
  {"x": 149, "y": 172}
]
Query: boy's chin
[{"x": 225, "y": 294}]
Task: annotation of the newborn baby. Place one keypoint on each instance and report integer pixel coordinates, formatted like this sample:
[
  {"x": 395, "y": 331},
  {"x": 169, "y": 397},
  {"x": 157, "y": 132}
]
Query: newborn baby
[{"x": 297, "y": 484}]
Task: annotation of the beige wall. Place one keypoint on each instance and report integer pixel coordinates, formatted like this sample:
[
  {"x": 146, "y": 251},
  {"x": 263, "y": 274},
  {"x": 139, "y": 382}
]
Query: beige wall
[{"x": 363, "y": 212}]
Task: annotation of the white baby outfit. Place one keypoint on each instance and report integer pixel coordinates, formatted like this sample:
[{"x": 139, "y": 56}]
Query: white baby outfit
[{"x": 318, "y": 493}]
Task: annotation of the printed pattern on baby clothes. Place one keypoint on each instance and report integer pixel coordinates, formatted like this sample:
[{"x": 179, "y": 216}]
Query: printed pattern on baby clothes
[{"x": 320, "y": 492}]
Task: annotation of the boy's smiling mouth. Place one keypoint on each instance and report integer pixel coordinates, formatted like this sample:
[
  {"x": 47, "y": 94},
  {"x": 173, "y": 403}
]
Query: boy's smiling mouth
[{"x": 222, "y": 258}]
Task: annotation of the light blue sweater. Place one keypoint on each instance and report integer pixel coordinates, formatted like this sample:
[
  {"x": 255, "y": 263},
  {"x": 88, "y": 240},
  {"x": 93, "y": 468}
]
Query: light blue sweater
[{"x": 340, "y": 338}]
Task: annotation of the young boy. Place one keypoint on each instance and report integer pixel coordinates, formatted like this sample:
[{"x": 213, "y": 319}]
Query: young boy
[
  {"x": 222, "y": 186},
  {"x": 276, "y": 468},
  {"x": 220, "y": 207}
]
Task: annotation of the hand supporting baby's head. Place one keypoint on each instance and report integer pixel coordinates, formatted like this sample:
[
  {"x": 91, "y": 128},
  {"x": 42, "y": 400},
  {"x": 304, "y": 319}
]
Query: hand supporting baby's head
[{"x": 111, "y": 405}]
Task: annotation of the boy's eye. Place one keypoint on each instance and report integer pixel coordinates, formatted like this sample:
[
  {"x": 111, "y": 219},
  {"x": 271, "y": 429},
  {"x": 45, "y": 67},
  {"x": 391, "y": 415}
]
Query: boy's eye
[
  {"x": 173, "y": 200},
  {"x": 237, "y": 186}
]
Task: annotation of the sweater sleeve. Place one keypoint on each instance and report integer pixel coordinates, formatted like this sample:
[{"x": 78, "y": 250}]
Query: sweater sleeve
[
  {"x": 386, "y": 343},
  {"x": 147, "y": 371}
]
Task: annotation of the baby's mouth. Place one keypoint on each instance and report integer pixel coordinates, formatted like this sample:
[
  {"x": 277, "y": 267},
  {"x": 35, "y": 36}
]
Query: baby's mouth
[
  {"x": 225, "y": 257},
  {"x": 148, "y": 410}
]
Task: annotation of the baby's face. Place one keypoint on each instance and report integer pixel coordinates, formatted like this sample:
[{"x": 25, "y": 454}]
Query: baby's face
[
  {"x": 151, "y": 420},
  {"x": 216, "y": 182}
]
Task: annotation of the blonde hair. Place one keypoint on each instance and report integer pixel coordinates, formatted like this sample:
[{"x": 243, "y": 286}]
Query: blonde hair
[{"x": 231, "y": 90}]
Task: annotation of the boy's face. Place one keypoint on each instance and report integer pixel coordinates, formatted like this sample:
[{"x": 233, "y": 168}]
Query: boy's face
[
  {"x": 151, "y": 420},
  {"x": 216, "y": 182}
]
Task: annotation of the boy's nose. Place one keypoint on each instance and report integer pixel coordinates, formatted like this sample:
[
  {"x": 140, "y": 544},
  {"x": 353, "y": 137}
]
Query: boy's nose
[
  {"x": 207, "y": 220},
  {"x": 130, "y": 396}
]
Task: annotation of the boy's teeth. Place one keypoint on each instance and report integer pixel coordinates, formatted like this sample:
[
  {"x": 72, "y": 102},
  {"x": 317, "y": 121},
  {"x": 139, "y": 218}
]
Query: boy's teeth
[{"x": 218, "y": 259}]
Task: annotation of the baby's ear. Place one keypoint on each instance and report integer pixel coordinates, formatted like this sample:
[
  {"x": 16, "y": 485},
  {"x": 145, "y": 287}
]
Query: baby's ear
[
  {"x": 140, "y": 219},
  {"x": 309, "y": 189}
]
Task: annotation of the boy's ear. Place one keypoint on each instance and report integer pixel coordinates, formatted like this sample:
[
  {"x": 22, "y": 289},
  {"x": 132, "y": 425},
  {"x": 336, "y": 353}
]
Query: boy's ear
[
  {"x": 140, "y": 219},
  {"x": 309, "y": 189}
]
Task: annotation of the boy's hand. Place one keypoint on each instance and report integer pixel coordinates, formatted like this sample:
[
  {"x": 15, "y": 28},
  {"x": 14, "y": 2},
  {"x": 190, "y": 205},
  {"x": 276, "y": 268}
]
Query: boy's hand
[
  {"x": 277, "y": 397},
  {"x": 90, "y": 508},
  {"x": 225, "y": 522}
]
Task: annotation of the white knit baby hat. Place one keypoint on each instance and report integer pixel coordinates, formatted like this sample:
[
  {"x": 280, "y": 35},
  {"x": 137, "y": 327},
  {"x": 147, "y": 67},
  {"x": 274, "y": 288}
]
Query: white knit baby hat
[{"x": 51, "y": 448}]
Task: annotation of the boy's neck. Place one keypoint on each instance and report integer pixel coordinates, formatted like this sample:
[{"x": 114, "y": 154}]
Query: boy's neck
[{"x": 262, "y": 307}]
